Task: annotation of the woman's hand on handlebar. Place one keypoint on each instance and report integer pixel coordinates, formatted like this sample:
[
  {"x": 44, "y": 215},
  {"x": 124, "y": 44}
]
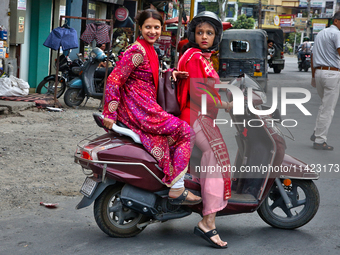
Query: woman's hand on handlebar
[
  {"x": 108, "y": 123},
  {"x": 229, "y": 106},
  {"x": 179, "y": 75}
]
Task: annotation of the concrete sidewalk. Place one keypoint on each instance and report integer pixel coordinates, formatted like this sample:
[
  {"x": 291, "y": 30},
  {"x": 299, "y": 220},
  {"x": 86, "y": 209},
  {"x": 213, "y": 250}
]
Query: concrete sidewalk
[{"x": 10, "y": 107}]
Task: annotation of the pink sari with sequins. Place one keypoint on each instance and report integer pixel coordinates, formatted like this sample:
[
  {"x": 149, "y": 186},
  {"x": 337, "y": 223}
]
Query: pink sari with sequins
[{"x": 130, "y": 97}]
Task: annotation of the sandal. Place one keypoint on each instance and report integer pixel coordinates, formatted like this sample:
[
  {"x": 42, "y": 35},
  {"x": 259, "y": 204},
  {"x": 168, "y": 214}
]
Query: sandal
[
  {"x": 181, "y": 199},
  {"x": 323, "y": 146},
  {"x": 206, "y": 236}
]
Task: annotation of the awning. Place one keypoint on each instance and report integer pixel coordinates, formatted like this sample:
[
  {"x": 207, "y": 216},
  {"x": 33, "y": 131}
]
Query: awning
[
  {"x": 120, "y": 2},
  {"x": 226, "y": 25},
  {"x": 175, "y": 20},
  {"x": 159, "y": 4}
]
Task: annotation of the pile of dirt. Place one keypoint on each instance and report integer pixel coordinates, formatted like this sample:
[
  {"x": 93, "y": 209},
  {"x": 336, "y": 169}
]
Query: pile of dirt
[{"x": 36, "y": 154}]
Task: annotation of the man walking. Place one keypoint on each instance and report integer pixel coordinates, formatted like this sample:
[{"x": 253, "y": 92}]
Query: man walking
[{"x": 326, "y": 79}]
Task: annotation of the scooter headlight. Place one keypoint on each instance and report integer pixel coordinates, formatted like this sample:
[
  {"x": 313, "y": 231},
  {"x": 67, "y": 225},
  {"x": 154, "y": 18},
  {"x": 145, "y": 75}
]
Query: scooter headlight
[{"x": 93, "y": 54}]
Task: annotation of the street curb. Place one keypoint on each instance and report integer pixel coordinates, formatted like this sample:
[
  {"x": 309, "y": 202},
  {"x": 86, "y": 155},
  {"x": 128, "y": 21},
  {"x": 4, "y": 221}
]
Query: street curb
[{"x": 8, "y": 107}]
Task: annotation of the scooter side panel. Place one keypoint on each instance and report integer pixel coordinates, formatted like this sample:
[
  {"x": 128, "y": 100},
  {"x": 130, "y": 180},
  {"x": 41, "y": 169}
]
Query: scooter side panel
[
  {"x": 76, "y": 83},
  {"x": 140, "y": 166},
  {"x": 127, "y": 153},
  {"x": 295, "y": 168}
]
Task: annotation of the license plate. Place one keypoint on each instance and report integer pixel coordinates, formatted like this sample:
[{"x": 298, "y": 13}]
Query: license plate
[
  {"x": 277, "y": 62},
  {"x": 257, "y": 73},
  {"x": 88, "y": 187},
  {"x": 307, "y": 58}
]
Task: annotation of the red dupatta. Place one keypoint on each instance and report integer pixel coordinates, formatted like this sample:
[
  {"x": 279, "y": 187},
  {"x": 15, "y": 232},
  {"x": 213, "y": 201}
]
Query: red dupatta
[
  {"x": 202, "y": 71},
  {"x": 153, "y": 58},
  {"x": 211, "y": 131}
]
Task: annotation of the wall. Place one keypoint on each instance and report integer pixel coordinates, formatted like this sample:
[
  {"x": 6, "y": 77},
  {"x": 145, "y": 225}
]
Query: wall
[
  {"x": 25, "y": 48},
  {"x": 39, "y": 55},
  {"x": 4, "y": 18},
  {"x": 74, "y": 8}
]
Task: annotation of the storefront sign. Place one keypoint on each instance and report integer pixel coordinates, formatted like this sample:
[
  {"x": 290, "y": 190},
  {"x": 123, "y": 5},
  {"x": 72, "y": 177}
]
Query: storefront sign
[
  {"x": 300, "y": 23},
  {"x": 288, "y": 30},
  {"x": 286, "y": 20},
  {"x": 313, "y": 4},
  {"x": 276, "y": 20},
  {"x": 317, "y": 27},
  {"x": 164, "y": 44},
  {"x": 21, "y": 4},
  {"x": 319, "y": 24},
  {"x": 121, "y": 13}
]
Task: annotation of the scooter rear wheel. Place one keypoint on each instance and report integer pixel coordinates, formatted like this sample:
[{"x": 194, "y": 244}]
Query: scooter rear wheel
[
  {"x": 73, "y": 97},
  {"x": 113, "y": 218},
  {"x": 46, "y": 86},
  {"x": 305, "y": 199}
]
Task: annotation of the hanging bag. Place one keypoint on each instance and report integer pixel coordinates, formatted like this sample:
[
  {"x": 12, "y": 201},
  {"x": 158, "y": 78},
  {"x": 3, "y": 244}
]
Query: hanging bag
[{"x": 167, "y": 94}]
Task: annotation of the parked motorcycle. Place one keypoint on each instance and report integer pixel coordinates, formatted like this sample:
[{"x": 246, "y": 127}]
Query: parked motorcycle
[
  {"x": 68, "y": 70},
  {"x": 125, "y": 183},
  {"x": 305, "y": 62},
  {"x": 90, "y": 82}
]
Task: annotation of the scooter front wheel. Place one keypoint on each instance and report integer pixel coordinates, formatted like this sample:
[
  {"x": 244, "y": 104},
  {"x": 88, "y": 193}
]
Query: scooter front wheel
[
  {"x": 73, "y": 97},
  {"x": 305, "y": 199},
  {"x": 113, "y": 218}
]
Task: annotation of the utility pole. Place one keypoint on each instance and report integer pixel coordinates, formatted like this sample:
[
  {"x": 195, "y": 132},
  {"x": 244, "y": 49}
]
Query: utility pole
[
  {"x": 180, "y": 17},
  {"x": 192, "y": 8},
  {"x": 308, "y": 18},
  {"x": 260, "y": 14}
]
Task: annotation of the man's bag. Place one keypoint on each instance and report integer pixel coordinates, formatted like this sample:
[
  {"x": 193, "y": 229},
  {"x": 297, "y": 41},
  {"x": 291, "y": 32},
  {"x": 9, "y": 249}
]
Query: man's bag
[{"x": 167, "y": 94}]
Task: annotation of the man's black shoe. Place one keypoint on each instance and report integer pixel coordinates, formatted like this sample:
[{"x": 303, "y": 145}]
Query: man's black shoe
[{"x": 323, "y": 146}]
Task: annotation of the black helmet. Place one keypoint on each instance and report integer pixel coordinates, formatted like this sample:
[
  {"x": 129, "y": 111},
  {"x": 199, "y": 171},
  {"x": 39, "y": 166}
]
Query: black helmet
[
  {"x": 306, "y": 39},
  {"x": 211, "y": 18}
]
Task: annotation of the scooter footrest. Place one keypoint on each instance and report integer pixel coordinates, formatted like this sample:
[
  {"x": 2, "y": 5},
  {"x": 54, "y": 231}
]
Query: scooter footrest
[{"x": 182, "y": 212}]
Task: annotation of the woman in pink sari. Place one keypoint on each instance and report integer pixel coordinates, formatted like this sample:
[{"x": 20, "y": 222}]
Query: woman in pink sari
[
  {"x": 130, "y": 97},
  {"x": 204, "y": 34}
]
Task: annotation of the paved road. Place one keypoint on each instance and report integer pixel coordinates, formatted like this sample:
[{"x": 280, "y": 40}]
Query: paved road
[{"x": 68, "y": 231}]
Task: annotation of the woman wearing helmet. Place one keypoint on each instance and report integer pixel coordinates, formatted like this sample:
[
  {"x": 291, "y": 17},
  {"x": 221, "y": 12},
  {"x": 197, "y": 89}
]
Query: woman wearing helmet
[{"x": 204, "y": 35}]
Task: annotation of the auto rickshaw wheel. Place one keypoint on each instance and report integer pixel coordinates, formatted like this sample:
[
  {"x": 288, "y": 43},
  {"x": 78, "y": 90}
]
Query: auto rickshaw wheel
[{"x": 277, "y": 70}]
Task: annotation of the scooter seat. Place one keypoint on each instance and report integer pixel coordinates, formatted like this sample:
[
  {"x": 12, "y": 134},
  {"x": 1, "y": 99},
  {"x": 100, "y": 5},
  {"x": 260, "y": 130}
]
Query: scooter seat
[
  {"x": 119, "y": 128},
  {"x": 121, "y": 124}
]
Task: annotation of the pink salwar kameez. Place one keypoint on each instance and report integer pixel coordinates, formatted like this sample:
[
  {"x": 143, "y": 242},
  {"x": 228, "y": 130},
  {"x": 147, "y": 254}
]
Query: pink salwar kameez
[
  {"x": 131, "y": 98},
  {"x": 215, "y": 186}
]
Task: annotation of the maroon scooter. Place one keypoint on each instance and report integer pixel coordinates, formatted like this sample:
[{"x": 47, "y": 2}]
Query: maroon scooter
[{"x": 125, "y": 182}]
